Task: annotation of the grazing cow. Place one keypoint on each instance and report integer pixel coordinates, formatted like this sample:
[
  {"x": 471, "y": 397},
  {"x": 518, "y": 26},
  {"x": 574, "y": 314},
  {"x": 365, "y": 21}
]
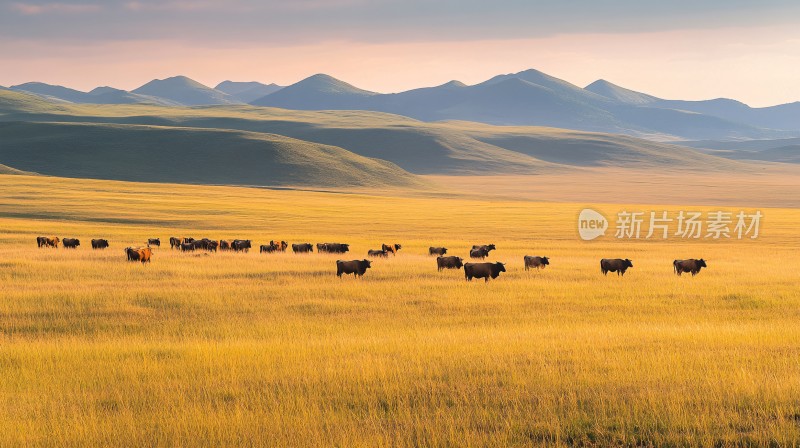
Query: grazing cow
[
  {"x": 355, "y": 267},
  {"x": 391, "y": 248},
  {"x": 99, "y": 244},
  {"x": 71, "y": 243},
  {"x": 240, "y": 245},
  {"x": 617, "y": 265},
  {"x": 278, "y": 246},
  {"x": 141, "y": 254},
  {"x": 437, "y": 250},
  {"x": 483, "y": 270},
  {"x": 302, "y": 248},
  {"x": 481, "y": 251},
  {"x": 187, "y": 247},
  {"x": 377, "y": 253},
  {"x": 154, "y": 242},
  {"x": 224, "y": 245},
  {"x": 268, "y": 248},
  {"x": 44, "y": 241},
  {"x": 451, "y": 262},
  {"x": 691, "y": 265},
  {"x": 337, "y": 248},
  {"x": 174, "y": 242},
  {"x": 536, "y": 262}
]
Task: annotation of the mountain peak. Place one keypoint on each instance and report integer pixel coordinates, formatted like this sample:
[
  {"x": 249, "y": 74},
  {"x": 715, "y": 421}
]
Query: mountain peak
[
  {"x": 186, "y": 91},
  {"x": 620, "y": 94}
]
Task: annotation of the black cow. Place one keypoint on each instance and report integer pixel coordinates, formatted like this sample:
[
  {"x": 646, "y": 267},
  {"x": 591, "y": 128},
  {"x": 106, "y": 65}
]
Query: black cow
[
  {"x": 302, "y": 248},
  {"x": 451, "y": 262},
  {"x": 536, "y": 262},
  {"x": 483, "y": 270},
  {"x": 617, "y": 265},
  {"x": 99, "y": 243},
  {"x": 437, "y": 250},
  {"x": 481, "y": 251},
  {"x": 187, "y": 247},
  {"x": 174, "y": 242},
  {"x": 355, "y": 267},
  {"x": 268, "y": 248},
  {"x": 154, "y": 242},
  {"x": 240, "y": 245},
  {"x": 336, "y": 248},
  {"x": 71, "y": 243},
  {"x": 377, "y": 253},
  {"x": 691, "y": 265}
]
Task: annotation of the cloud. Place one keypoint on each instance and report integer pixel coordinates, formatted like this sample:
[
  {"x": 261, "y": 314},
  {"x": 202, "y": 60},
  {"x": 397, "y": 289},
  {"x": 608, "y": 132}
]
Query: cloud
[{"x": 32, "y": 9}]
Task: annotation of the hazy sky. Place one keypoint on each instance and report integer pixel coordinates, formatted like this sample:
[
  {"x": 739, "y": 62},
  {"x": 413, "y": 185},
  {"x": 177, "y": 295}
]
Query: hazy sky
[{"x": 698, "y": 49}]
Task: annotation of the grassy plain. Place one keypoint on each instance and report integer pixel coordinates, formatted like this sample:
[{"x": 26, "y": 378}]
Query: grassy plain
[{"x": 250, "y": 349}]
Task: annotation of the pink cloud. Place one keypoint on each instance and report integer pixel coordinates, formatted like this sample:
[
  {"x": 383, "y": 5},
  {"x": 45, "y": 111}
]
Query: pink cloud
[{"x": 30, "y": 9}]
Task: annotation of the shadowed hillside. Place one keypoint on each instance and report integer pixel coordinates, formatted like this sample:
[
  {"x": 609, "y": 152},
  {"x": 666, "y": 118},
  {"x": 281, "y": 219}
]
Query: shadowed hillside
[
  {"x": 418, "y": 147},
  {"x": 188, "y": 155}
]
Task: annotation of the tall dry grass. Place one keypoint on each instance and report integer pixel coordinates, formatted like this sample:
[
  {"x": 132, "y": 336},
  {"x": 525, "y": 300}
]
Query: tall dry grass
[{"x": 252, "y": 349}]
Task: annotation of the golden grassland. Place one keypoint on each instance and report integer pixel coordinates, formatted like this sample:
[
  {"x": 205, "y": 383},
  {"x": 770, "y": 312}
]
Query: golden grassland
[{"x": 251, "y": 349}]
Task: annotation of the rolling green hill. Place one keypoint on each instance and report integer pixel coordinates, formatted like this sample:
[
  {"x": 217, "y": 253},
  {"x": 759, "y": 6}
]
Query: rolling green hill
[
  {"x": 461, "y": 148},
  {"x": 188, "y": 155}
]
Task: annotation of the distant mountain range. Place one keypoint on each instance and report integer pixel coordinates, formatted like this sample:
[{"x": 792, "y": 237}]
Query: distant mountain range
[{"x": 525, "y": 98}]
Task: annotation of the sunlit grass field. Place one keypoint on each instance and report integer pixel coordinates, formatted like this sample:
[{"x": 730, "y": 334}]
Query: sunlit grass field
[{"x": 254, "y": 349}]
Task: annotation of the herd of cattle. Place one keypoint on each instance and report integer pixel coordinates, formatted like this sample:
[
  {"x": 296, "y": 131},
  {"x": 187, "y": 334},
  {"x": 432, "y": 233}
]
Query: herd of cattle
[{"x": 358, "y": 268}]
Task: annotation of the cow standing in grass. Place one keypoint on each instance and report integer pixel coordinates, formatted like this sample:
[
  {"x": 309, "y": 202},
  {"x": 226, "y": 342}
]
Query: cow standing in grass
[
  {"x": 437, "y": 250},
  {"x": 44, "y": 241},
  {"x": 691, "y": 265},
  {"x": 377, "y": 253},
  {"x": 355, "y": 267},
  {"x": 99, "y": 244},
  {"x": 481, "y": 251},
  {"x": 450, "y": 262},
  {"x": 617, "y": 265},
  {"x": 391, "y": 248},
  {"x": 302, "y": 248},
  {"x": 483, "y": 270},
  {"x": 535, "y": 262},
  {"x": 71, "y": 243}
]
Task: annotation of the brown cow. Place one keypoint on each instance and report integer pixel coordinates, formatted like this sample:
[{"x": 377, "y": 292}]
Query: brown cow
[
  {"x": 536, "y": 262},
  {"x": 437, "y": 250},
  {"x": 71, "y": 243},
  {"x": 391, "y": 248},
  {"x": 279, "y": 246},
  {"x": 44, "y": 241},
  {"x": 142, "y": 254},
  {"x": 377, "y": 253},
  {"x": 451, "y": 262},
  {"x": 355, "y": 267},
  {"x": 691, "y": 265},
  {"x": 483, "y": 270},
  {"x": 617, "y": 265},
  {"x": 99, "y": 244}
]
